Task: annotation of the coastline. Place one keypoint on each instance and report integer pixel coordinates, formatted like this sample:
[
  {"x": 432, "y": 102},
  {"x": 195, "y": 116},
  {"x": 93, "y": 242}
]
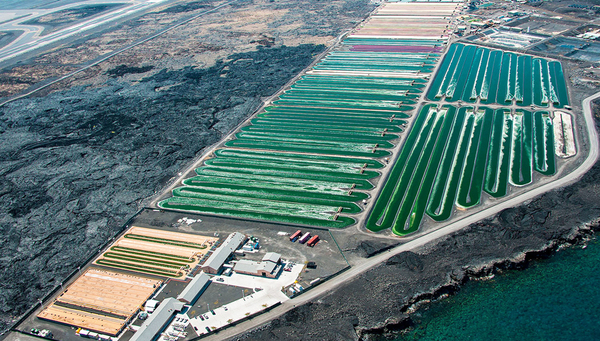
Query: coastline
[
  {"x": 378, "y": 303},
  {"x": 510, "y": 239}
]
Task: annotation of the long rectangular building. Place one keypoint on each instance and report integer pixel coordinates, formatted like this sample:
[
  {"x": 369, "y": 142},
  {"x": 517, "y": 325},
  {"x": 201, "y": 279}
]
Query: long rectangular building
[
  {"x": 157, "y": 320},
  {"x": 214, "y": 263},
  {"x": 194, "y": 288}
]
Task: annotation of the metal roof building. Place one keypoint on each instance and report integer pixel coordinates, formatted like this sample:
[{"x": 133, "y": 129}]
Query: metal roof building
[
  {"x": 272, "y": 257},
  {"x": 220, "y": 255},
  {"x": 194, "y": 288},
  {"x": 157, "y": 320},
  {"x": 250, "y": 267}
]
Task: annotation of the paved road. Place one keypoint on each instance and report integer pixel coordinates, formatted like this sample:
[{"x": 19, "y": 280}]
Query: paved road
[
  {"x": 428, "y": 237},
  {"x": 119, "y": 51},
  {"x": 31, "y": 38}
]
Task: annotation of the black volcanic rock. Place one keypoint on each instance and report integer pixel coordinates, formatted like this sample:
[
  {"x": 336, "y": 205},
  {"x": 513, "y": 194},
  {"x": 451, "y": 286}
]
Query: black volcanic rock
[{"x": 76, "y": 164}]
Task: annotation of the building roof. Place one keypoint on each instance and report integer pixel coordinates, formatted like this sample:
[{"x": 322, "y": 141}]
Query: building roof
[
  {"x": 272, "y": 257},
  {"x": 219, "y": 256},
  {"x": 155, "y": 323},
  {"x": 253, "y": 267},
  {"x": 152, "y": 303},
  {"x": 194, "y": 287},
  {"x": 267, "y": 266}
]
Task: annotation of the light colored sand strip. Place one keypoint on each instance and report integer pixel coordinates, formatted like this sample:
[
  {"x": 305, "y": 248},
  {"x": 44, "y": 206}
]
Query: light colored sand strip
[
  {"x": 154, "y": 247},
  {"x": 564, "y": 138},
  {"x": 142, "y": 282}
]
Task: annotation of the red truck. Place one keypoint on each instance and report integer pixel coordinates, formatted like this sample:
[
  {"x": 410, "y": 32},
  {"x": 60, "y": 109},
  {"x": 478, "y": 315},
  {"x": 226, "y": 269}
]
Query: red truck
[{"x": 313, "y": 241}]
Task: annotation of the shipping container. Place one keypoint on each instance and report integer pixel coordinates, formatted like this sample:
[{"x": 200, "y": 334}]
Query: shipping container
[
  {"x": 313, "y": 241},
  {"x": 295, "y": 236},
  {"x": 304, "y": 238}
]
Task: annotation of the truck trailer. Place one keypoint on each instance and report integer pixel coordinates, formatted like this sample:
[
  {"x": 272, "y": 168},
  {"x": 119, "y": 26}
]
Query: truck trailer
[
  {"x": 295, "y": 236},
  {"x": 313, "y": 241},
  {"x": 304, "y": 238}
]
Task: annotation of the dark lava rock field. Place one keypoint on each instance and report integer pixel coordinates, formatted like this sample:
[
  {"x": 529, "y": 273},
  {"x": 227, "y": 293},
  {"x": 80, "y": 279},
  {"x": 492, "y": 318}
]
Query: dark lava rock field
[{"x": 76, "y": 163}]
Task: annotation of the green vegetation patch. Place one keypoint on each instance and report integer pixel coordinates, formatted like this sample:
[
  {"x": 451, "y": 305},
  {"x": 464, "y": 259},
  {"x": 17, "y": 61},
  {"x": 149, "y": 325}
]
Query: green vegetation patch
[
  {"x": 145, "y": 260},
  {"x": 138, "y": 268},
  {"x": 166, "y": 256}
]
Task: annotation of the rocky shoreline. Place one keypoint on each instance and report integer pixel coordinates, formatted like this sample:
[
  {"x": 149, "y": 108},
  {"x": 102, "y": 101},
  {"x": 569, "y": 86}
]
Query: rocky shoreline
[
  {"x": 83, "y": 158},
  {"x": 378, "y": 304}
]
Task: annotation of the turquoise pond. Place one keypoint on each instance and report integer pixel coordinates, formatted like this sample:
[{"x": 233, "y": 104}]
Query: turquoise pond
[{"x": 554, "y": 299}]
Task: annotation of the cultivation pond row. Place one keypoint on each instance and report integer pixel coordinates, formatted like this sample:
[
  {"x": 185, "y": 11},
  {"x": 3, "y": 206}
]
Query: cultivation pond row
[
  {"x": 310, "y": 157},
  {"x": 452, "y": 155},
  {"x": 470, "y": 73},
  {"x": 380, "y": 62}
]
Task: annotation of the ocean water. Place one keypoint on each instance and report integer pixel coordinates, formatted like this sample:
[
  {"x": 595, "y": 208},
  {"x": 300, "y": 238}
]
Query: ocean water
[{"x": 554, "y": 299}]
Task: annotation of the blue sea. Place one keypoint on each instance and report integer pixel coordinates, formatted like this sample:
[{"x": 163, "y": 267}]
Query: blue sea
[{"x": 553, "y": 299}]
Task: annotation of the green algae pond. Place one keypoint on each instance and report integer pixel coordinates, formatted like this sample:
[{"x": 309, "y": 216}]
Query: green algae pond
[
  {"x": 380, "y": 62},
  {"x": 309, "y": 157},
  {"x": 469, "y": 73},
  {"x": 452, "y": 155}
]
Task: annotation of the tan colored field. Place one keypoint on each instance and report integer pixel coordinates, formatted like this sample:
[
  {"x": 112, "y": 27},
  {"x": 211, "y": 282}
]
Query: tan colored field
[
  {"x": 157, "y": 252},
  {"x": 104, "y": 291},
  {"x": 112, "y": 292},
  {"x": 167, "y": 248},
  {"x": 149, "y": 246},
  {"x": 418, "y": 9},
  {"x": 184, "y": 237},
  {"x": 82, "y": 319},
  {"x": 408, "y": 20}
]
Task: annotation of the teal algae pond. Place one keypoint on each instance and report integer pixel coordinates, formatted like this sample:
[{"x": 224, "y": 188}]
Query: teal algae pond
[
  {"x": 452, "y": 155},
  {"x": 310, "y": 156},
  {"x": 554, "y": 299},
  {"x": 469, "y": 73},
  {"x": 455, "y": 154}
]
